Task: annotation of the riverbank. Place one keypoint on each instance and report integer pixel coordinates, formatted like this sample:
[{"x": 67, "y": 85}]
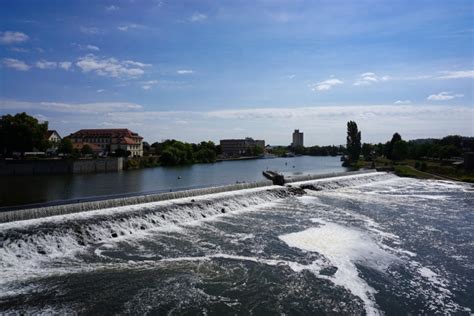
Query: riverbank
[
  {"x": 239, "y": 158},
  {"x": 420, "y": 169},
  {"x": 60, "y": 166}
]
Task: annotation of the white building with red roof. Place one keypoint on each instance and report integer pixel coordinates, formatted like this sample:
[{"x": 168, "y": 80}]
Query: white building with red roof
[{"x": 108, "y": 140}]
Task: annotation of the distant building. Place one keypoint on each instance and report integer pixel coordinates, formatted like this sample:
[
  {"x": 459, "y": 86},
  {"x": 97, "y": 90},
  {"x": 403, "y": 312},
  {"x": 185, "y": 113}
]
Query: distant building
[
  {"x": 240, "y": 147},
  {"x": 297, "y": 139},
  {"x": 54, "y": 138},
  {"x": 108, "y": 140}
]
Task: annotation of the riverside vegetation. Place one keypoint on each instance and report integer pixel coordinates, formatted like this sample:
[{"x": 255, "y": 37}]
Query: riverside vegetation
[{"x": 422, "y": 158}]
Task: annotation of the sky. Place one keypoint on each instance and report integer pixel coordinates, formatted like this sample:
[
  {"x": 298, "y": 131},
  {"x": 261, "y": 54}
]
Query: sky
[{"x": 209, "y": 70}]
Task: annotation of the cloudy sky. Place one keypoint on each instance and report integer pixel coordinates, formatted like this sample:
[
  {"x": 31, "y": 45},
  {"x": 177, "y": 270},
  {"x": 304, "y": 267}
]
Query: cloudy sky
[{"x": 205, "y": 70}]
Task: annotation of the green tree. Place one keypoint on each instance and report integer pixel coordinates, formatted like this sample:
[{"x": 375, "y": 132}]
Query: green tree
[
  {"x": 86, "y": 150},
  {"x": 22, "y": 133},
  {"x": 65, "y": 146},
  {"x": 299, "y": 150},
  {"x": 399, "y": 150},
  {"x": 449, "y": 151},
  {"x": 389, "y": 146},
  {"x": 353, "y": 141},
  {"x": 367, "y": 150},
  {"x": 146, "y": 149}
]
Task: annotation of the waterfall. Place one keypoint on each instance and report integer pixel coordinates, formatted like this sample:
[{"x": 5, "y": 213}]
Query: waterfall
[
  {"x": 46, "y": 211},
  {"x": 336, "y": 181},
  {"x": 30, "y": 213},
  {"x": 37, "y": 239},
  {"x": 52, "y": 210}
]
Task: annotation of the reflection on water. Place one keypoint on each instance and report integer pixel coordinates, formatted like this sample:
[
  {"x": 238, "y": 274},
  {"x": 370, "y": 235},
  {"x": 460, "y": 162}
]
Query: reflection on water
[{"x": 40, "y": 188}]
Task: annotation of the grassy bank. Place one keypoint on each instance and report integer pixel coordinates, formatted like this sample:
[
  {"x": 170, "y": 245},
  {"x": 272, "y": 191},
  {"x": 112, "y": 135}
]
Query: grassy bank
[{"x": 421, "y": 169}]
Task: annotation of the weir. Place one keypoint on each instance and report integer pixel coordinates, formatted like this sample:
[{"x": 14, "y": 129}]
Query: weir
[
  {"x": 38, "y": 239},
  {"x": 46, "y": 211}
]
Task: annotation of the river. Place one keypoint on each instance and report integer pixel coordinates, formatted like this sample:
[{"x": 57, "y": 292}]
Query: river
[
  {"x": 17, "y": 190},
  {"x": 369, "y": 244}
]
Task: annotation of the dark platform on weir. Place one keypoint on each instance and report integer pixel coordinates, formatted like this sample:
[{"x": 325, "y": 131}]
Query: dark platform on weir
[{"x": 276, "y": 178}]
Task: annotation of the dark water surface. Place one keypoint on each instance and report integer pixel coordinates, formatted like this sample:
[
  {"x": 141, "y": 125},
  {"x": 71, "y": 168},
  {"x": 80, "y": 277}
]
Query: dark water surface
[
  {"x": 15, "y": 190},
  {"x": 369, "y": 244}
]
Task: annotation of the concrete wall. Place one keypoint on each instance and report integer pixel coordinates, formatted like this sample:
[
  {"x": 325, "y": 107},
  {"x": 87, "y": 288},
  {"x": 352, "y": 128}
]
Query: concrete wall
[
  {"x": 97, "y": 165},
  {"x": 28, "y": 167}
]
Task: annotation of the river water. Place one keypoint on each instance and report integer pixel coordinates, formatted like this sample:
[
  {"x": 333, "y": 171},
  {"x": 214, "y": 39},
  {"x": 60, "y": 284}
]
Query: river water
[
  {"x": 16, "y": 190},
  {"x": 362, "y": 244}
]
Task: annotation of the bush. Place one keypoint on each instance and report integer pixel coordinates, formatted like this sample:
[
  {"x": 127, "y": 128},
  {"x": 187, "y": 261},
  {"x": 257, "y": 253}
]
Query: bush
[
  {"x": 423, "y": 166},
  {"x": 132, "y": 164}
]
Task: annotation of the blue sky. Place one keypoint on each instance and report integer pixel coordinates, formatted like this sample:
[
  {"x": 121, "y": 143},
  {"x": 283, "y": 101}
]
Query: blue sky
[{"x": 199, "y": 70}]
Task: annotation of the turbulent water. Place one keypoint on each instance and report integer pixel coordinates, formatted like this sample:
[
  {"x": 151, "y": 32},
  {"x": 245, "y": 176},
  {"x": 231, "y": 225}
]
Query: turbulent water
[{"x": 364, "y": 244}]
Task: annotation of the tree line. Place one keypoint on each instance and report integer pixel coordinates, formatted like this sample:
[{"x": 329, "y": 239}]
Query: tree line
[
  {"x": 173, "y": 152},
  {"x": 398, "y": 149}
]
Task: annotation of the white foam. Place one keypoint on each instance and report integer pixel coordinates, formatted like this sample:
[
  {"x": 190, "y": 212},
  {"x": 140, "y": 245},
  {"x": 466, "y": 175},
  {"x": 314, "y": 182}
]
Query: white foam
[
  {"x": 134, "y": 208},
  {"x": 295, "y": 266},
  {"x": 344, "y": 247}
]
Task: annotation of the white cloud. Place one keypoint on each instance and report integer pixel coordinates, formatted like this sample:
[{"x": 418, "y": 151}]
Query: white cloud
[
  {"x": 147, "y": 85},
  {"x": 84, "y": 108},
  {"x": 91, "y": 30},
  {"x": 111, "y": 8},
  {"x": 378, "y": 123},
  {"x": 457, "y": 74},
  {"x": 15, "y": 64},
  {"x": 110, "y": 67},
  {"x": 136, "y": 63},
  {"x": 44, "y": 64},
  {"x": 369, "y": 78},
  {"x": 198, "y": 17},
  {"x": 100, "y": 90},
  {"x": 42, "y": 118},
  {"x": 326, "y": 84},
  {"x": 402, "y": 102},
  {"x": 185, "y": 72},
  {"x": 19, "y": 50},
  {"x": 126, "y": 27},
  {"x": 65, "y": 65},
  {"x": 443, "y": 96},
  {"x": 322, "y": 125},
  {"x": 9, "y": 37},
  {"x": 92, "y": 47},
  {"x": 86, "y": 47}
]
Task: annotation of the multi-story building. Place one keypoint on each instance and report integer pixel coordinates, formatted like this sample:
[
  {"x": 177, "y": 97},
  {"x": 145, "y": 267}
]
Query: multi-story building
[
  {"x": 108, "y": 140},
  {"x": 240, "y": 147},
  {"x": 297, "y": 139}
]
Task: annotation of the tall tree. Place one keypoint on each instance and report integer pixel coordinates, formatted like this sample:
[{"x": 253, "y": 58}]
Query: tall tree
[
  {"x": 389, "y": 146},
  {"x": 399, "y": 150},
  {"x": 353, "y": 141},
  {"x": 22, "y": 133}
]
